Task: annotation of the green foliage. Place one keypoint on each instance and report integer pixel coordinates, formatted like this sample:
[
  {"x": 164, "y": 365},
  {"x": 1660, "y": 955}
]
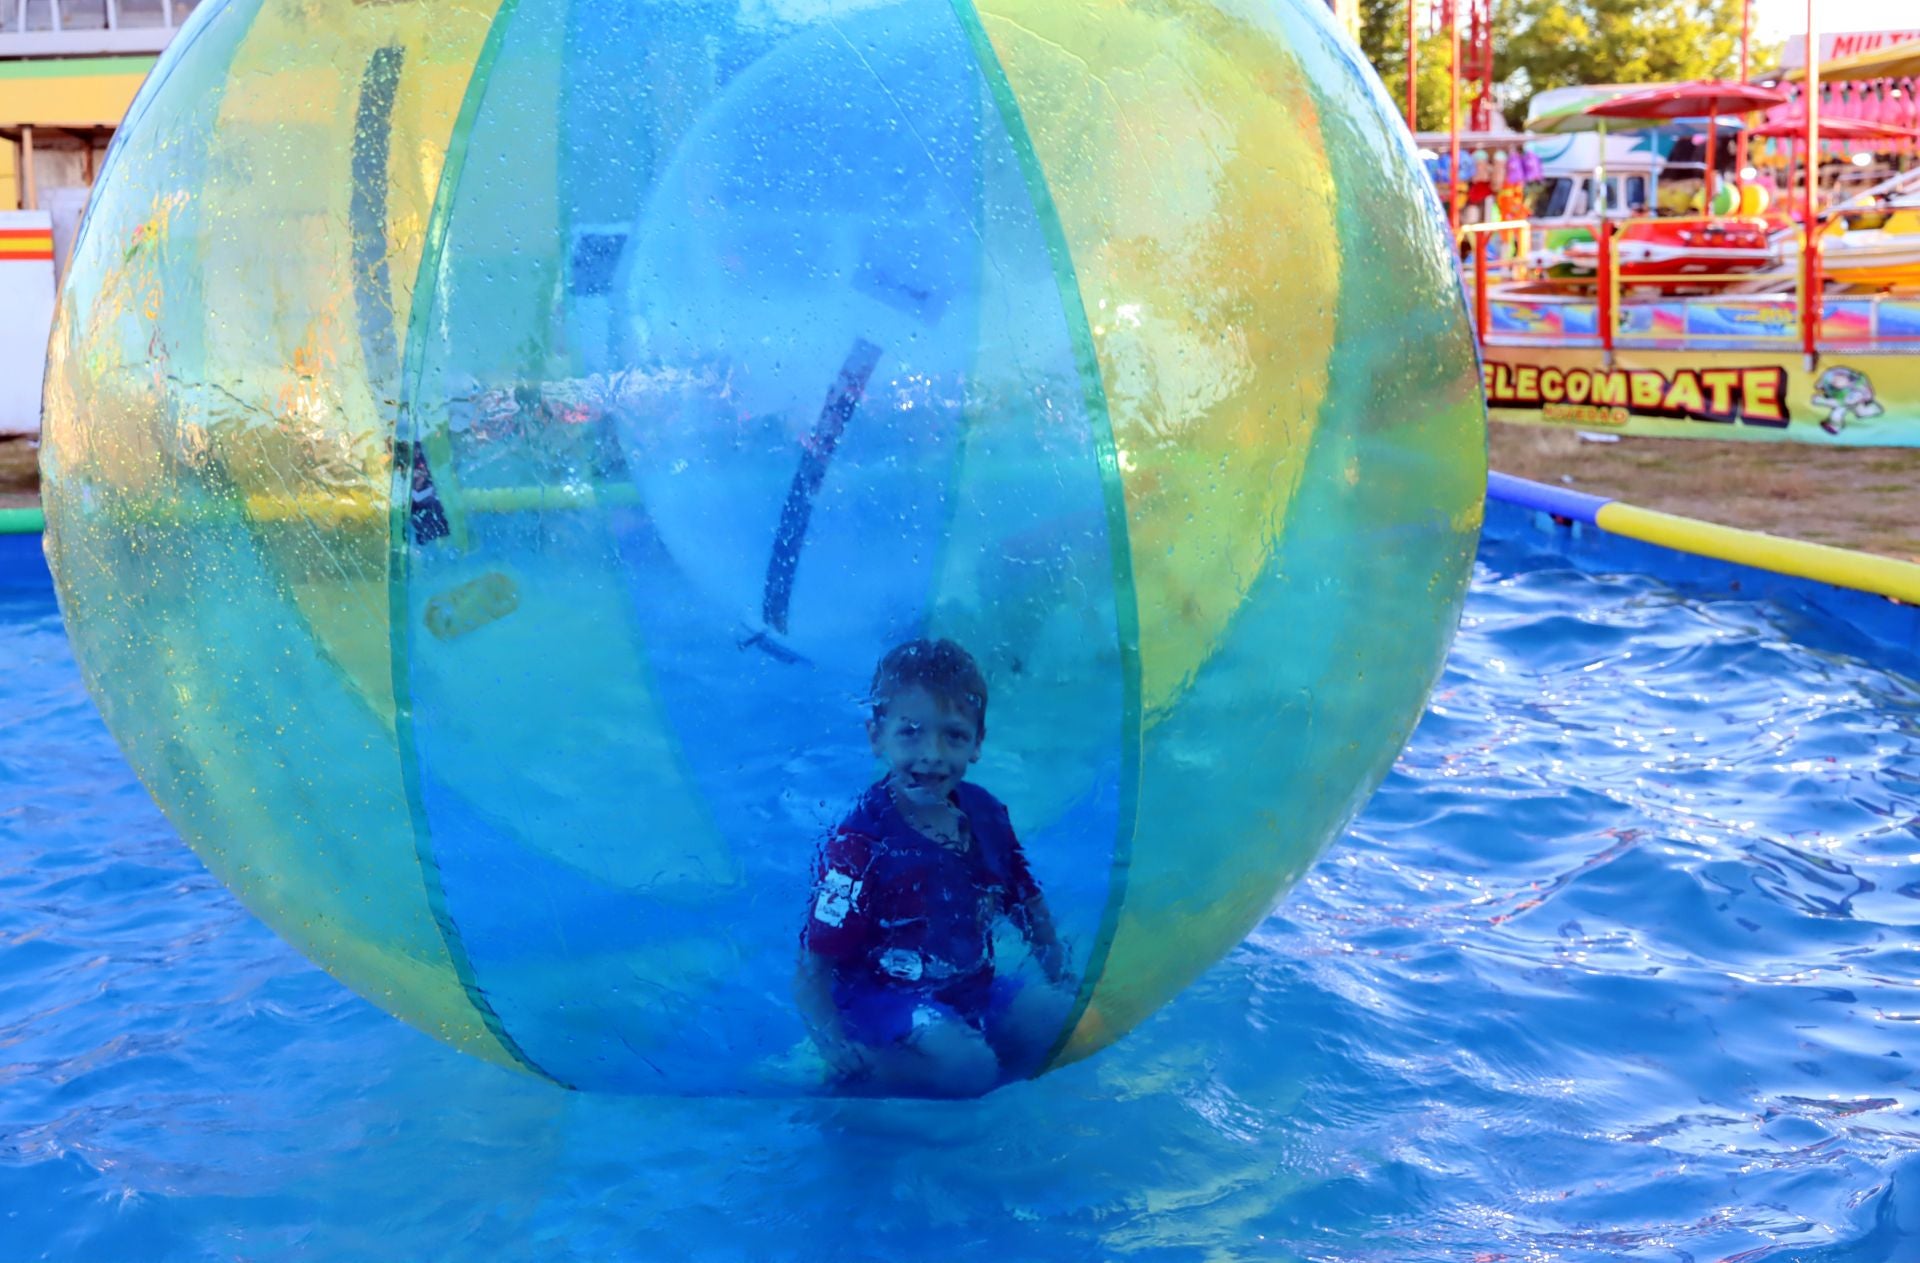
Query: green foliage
[
  {"x": 1383, "y": 37},
  {"x": 1553, "y": 43},
  {"x": 1540, "y": 44}
]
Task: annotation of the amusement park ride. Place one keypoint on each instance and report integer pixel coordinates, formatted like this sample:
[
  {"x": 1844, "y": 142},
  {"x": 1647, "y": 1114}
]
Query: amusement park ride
[
  {"x": 1761, "y": 316},
  {"x": 1469, "y": 26}
]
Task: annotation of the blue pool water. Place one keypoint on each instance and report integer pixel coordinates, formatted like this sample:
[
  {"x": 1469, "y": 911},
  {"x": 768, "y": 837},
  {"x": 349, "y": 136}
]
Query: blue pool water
[{"x": 1617, "y": 965}]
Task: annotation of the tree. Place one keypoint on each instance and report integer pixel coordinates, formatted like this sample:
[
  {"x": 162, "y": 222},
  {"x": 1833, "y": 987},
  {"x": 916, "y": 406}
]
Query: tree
[
  {"x": 1383, "y": 38},
  {"x": 1539, "y": 44}
]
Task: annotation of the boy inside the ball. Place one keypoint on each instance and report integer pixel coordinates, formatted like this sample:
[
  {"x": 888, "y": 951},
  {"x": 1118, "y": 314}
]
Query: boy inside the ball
[{"x": 898, "y": 980}]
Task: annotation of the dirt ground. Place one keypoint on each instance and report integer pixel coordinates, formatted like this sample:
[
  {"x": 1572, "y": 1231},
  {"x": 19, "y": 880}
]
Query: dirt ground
[
  {"x": 1853, "y": 497},
  {"x": 1862, "y": 497}
]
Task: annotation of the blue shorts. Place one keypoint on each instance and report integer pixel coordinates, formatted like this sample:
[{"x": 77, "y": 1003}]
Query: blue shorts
[{"x": 877, "y": 1015}]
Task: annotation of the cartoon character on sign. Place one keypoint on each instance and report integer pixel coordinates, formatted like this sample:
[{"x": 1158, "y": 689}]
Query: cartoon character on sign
[{"x": 1845, "y": 393}]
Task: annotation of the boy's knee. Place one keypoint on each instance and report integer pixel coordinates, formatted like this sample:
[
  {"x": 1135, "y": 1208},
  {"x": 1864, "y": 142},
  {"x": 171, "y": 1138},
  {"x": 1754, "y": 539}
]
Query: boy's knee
[
  {"x": 1041, "y": 1006},
  {"x": 1033, "y": 1023},
  {"x": 956, "y": 1059}
]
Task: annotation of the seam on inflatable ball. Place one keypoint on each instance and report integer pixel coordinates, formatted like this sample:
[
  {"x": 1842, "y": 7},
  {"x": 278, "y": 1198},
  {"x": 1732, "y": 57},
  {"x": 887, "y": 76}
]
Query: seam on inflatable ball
[
  {"x": 398, "y": 604},
  {"x": 1100, "y": 425}
]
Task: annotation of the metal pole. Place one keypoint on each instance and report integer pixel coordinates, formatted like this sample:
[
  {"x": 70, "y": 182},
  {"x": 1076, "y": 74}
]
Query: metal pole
[
  {"x": 1713, "y": 158},
  {"x": 29, "y": 190},
  {"x": 1476, "y": 116},
  {"x": 1453, "y": 116},
  {"x": 1812, "y": 305},
  {"x": 1746, "y": 70},
  {"x": 1600, "y": 199},
  {"x": 1413, "y": 61},
  {"x": 1481, "y": 307},
  {"x": 1605, "y": 294}
]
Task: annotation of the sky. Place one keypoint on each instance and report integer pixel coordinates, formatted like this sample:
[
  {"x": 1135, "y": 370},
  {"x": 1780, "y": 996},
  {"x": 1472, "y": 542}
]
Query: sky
[{"x": 1777, "y": 19}]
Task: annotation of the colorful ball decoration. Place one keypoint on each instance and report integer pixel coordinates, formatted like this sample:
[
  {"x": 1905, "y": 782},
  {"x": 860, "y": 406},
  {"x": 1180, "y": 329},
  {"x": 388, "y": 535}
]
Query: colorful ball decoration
[{"x": 489, "y": 446}]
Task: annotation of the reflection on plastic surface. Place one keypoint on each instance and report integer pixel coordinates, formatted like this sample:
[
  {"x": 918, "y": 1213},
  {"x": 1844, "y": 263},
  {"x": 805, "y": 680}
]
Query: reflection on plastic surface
[{"x": 488, "y": 455}]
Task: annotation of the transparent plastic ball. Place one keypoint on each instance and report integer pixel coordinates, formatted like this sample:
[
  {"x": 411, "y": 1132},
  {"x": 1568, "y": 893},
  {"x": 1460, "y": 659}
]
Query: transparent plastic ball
[{"x": 490, "y": 447}]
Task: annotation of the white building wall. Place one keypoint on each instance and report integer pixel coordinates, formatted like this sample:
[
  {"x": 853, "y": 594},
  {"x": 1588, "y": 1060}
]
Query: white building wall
[{"x": 26, "y": 318}]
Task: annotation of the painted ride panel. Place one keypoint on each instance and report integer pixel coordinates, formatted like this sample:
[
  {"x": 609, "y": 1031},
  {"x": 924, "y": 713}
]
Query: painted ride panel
[
  {"x": 1853, "y": 398},
  {"x": 1668, "y": 253},
  {"x": 1884, "y": 255},
  {"x": 1652, "y": 340}
]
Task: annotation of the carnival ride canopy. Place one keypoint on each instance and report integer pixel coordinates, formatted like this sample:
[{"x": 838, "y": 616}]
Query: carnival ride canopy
[
  {"x": 1561, "y": 110},
  {"x": 1895, "y": 61},
  {"x": 1858, "y": 129},
  {"x": 1702, "y": 98}
]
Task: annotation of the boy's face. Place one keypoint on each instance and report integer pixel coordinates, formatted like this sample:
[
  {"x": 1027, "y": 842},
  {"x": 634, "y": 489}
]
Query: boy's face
[{"x": 926, "y": 745}]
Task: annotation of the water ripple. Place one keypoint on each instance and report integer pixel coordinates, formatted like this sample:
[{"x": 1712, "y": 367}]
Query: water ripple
[{"x": 1619, "y": 964}]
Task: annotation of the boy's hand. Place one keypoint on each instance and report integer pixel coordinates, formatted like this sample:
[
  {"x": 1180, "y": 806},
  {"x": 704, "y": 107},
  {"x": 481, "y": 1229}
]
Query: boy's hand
[
  {"x": 1053, "y": 962},
  {"x": 845, "y": 1058}
]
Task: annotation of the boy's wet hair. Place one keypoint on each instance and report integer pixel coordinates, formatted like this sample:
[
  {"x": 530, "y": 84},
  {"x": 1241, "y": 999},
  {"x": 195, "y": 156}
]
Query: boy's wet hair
[{"x": 941, "y": 667}]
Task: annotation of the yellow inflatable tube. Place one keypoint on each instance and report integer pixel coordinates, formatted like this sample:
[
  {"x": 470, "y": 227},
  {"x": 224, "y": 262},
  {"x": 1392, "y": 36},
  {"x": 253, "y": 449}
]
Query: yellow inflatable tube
[{"x": 1840, "y": 567}]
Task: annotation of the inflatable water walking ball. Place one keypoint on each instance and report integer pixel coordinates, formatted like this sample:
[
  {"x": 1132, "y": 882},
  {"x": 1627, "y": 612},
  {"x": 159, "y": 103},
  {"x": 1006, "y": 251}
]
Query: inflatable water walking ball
[{"x": 490, "y": 446}]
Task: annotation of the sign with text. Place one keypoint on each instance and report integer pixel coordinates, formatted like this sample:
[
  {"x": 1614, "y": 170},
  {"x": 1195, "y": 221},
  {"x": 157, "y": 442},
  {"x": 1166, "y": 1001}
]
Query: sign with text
[
  {"x": 1855, "y": 400},
  {"x": 1835, "y": 44}
]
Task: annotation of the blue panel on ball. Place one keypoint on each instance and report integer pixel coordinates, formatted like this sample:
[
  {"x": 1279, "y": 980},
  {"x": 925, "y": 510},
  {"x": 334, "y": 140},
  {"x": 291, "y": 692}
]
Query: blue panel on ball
[{"x": 813, "y": 381}]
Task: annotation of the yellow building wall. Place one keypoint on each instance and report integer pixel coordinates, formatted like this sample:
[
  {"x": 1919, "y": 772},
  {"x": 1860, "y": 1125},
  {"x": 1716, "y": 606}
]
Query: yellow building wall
[
  {"x": 82, "y": 93},
  {"x": 69, "y": 91}
]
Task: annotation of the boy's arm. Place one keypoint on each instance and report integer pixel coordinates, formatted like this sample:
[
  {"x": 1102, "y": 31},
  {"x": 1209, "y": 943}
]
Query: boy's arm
[
  {"x": 838, "y": 927},
  {"x": 1030, "y": 911},
  {"x": 813, "y": 996},
  {"x": 1048, "y": 950}
]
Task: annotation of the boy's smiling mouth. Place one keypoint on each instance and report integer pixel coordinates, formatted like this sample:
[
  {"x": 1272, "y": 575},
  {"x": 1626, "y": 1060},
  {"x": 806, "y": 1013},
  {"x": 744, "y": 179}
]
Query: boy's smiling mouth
[{"x": 925, "y": 782}]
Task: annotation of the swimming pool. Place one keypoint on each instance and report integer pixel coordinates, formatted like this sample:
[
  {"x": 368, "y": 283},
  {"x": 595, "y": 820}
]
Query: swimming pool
[{"x": 1617, "y": 964}]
